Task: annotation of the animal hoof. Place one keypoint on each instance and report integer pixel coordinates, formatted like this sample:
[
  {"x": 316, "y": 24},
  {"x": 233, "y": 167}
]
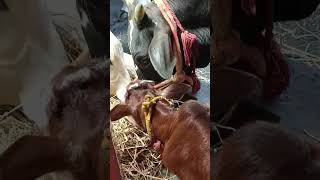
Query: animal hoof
[{"x": 157, "y": 145}]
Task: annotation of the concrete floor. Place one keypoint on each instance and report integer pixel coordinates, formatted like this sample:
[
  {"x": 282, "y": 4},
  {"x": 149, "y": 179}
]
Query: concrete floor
[{"x": 299, "y": 106}]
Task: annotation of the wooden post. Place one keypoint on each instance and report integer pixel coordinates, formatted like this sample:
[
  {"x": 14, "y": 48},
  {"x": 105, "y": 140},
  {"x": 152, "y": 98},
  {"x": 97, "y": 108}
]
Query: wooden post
[{"x": 226, "y": 44}]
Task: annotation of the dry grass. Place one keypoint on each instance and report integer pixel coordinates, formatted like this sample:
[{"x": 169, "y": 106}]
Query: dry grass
[{"x": 300, "y": 40}]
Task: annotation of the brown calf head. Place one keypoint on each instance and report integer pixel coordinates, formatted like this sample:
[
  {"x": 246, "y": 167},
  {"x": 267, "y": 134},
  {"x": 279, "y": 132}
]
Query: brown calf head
[
  {"x": 265, "y": 151},
  {"x": 136, "y": 91},
  {"x": 78, "y": 109}
]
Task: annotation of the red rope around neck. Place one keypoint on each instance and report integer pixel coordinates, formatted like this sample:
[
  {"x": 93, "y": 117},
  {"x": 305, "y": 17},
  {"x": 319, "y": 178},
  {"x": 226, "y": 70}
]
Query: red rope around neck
[{"x": 189, "y": 44}]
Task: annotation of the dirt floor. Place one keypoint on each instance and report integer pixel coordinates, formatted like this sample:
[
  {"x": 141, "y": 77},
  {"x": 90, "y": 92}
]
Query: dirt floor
[{"x": 299, "y": 105}]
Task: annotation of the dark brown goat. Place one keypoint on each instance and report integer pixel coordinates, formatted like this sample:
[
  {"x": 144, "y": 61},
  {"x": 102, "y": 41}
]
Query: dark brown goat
[
  {"x": 184, "y": 132},
  {"x": 264, "y": 151},
  {"x": 77, "y": 114}
]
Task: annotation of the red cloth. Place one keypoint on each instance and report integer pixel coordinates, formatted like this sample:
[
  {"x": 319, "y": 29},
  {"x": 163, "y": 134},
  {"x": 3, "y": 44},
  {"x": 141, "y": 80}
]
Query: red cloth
[
  {"x": 114, "y": 166},
  {"x": 278, "y": 75},
  {"x": 277, "y": 71},
  {"x": 189, "y": 41}
]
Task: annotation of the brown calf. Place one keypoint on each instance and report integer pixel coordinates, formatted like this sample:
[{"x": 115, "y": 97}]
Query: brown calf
[
  {"x": 77, "y": 113},
  {"x": 184, "y": 131},
  {"x": 264, "y": 151}
]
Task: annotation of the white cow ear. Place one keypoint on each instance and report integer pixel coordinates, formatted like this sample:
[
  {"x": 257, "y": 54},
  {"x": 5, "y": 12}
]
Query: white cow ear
[{"x": 160, "y": 52}]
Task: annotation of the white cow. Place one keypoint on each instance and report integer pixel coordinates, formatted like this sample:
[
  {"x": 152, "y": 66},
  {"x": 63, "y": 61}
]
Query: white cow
[
  {"x": 30, "y": 54},
  {"x": 121, "y": 62}
]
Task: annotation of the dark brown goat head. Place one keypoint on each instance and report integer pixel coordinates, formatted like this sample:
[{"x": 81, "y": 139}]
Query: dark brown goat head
[
  {"x": 137, "y": 90},
  {"x": 78, "y": 110},
  {"x": 78, "y": 113}
]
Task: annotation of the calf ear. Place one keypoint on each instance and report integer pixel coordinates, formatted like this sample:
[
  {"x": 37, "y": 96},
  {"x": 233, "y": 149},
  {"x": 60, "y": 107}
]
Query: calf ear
[
  {"x": 119, "y": 111},
  {"x": 160, "y": 54},
  {"x": 176, "y": 90}
]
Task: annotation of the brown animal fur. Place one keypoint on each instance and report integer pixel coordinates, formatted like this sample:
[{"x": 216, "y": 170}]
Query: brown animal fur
[
  {"x": 19, "y": 160},
  {"x": 77, "y": 112},
  {"x": 264, "y": 151},
  {"x": 185, "y": 132},
  {"x": 227, "y": 47}
]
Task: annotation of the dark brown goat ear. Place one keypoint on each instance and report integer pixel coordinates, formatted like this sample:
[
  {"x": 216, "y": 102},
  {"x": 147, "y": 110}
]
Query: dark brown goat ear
[{"x": 119, "y": 111}]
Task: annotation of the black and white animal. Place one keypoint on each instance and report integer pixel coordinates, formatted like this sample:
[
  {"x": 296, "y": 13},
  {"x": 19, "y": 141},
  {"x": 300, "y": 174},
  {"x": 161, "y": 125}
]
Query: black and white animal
[{"x": 149, "y": 36}]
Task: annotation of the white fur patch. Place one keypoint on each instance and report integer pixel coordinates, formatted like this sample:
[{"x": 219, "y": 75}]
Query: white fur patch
[
  {"x": 129, "y": 1},
  {"x": 84, "y": 19},
  {"x": 130, "y": 33},
  {"x": 155, "y": 22},
  {"x": 119, "y": 76},
  {"x": 133, "y": 86},
  {"x": 121, "y": 93},
  {"x": 146, "y": 81}
]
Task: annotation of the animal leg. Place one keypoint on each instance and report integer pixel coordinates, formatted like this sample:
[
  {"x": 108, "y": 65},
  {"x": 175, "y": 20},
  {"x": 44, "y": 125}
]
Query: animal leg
[
  {"x": 31, "y": 157},
  {"x": 221, "y": 20}
]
